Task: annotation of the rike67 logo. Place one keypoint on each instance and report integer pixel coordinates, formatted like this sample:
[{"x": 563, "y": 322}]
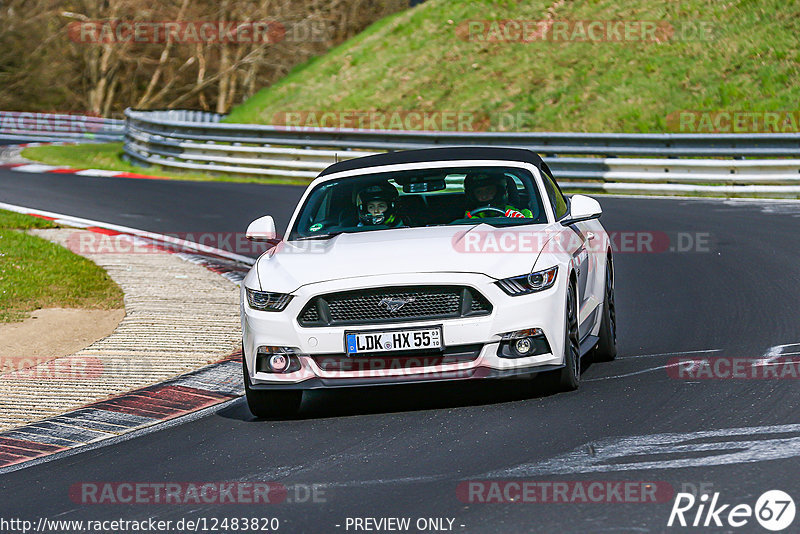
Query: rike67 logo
[{"x": 774, "y": 510}]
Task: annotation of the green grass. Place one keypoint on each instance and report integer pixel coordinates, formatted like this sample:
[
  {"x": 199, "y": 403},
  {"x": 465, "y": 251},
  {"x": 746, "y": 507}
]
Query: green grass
[
  {"x": 35, "y": 273},
  {"x": 107, "y": 156},
  {"x": 415, "y": 61}
]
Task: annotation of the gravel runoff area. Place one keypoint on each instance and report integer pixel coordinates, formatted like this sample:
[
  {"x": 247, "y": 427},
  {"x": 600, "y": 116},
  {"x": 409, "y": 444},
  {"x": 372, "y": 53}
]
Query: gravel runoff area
[{"x": 179, "y": 316}]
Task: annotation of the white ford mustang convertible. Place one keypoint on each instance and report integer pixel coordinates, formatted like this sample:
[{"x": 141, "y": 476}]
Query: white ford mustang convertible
[{"x": 422, "y": 266}]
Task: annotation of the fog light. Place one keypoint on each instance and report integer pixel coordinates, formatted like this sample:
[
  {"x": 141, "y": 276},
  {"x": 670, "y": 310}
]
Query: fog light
[
  {"x": 278, "y": 363},
  {"x": 277, "y": 360},
  {"x": 523, "y": 346}
]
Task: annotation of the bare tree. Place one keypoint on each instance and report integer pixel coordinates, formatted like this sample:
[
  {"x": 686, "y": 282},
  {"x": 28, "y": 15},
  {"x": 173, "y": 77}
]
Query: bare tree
[{"x": 68, "y": 55}]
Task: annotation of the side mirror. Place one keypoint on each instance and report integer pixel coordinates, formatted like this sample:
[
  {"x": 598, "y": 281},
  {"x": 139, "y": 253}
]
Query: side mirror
[
  {"x": 262, "y": 229},
  {"x": 582, "y": 208}
]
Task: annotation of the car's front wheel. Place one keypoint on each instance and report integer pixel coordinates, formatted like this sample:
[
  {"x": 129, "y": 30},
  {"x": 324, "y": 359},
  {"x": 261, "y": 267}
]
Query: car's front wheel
[
  {"x": 568, "y": 377},
  {"x": 283, "y": 403}
]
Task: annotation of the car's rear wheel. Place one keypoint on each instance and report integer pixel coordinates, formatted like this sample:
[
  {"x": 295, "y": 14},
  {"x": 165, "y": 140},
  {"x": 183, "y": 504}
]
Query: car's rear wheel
[
  {"x": 568, "y": 377},
  {"x": 283, "y": 403},
  {"x": 606, "y": 348}
]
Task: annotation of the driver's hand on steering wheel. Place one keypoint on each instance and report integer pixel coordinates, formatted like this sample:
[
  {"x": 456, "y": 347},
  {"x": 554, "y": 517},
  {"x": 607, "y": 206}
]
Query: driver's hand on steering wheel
[{"x": 496, "y": 212}]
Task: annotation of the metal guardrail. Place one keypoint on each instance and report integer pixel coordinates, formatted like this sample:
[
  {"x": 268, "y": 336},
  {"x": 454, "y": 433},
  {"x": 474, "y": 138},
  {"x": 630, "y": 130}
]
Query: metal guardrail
[
  {"x": 198, "y": 141},
  {"x": 622, "y": 163},
  {"x": 51, "y": 127}
]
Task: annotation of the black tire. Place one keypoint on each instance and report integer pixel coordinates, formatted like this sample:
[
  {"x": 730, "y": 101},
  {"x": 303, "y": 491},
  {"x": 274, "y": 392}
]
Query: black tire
[
  {"x": 568, "y": 378},
  {"x": 279, "y": 403},
  {"x": 606, "y": 348}
]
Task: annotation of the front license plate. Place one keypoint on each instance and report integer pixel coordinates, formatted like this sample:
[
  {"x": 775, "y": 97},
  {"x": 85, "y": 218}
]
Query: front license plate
[{"x": 393, "y": 340}]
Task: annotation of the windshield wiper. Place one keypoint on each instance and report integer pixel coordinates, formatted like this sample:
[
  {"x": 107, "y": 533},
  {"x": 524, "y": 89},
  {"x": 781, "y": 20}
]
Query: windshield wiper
[{"x": 319, "y": 236}]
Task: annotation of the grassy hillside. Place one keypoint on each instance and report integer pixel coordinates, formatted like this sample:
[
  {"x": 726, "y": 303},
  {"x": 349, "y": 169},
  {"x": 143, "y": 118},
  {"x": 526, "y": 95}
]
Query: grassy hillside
[{"x": 425, "y": 59}]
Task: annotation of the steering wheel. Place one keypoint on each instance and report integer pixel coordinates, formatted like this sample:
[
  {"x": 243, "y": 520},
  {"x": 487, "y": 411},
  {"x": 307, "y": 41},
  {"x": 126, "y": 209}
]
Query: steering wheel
[{"x": 487, "y": 208}]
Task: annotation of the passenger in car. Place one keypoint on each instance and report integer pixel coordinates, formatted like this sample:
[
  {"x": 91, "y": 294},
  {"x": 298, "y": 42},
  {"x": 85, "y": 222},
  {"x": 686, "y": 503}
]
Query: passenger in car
[{"x": 377, "y": 205}]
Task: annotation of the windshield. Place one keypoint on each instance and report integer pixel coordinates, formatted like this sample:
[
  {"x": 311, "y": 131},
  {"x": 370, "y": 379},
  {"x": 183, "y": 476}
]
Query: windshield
[{"x": 499, "y": 196}]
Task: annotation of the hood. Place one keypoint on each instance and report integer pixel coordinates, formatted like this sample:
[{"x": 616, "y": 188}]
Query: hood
[{"x": 483, "y": 249}]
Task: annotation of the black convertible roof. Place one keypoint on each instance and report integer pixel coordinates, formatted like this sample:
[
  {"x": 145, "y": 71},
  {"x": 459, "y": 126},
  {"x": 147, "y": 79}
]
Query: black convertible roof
[{"x": 439, "y": 154}]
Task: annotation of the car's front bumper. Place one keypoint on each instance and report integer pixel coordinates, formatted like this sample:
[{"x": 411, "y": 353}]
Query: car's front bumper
[
  {"x": 543, "y": 310},
  {"x": 416, "y": 378}
]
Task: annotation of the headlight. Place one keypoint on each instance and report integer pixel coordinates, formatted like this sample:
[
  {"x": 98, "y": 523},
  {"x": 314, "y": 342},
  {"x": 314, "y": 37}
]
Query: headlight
[
  {"x": 529, "y": 283},
  {"x": 266, "y": 301}
]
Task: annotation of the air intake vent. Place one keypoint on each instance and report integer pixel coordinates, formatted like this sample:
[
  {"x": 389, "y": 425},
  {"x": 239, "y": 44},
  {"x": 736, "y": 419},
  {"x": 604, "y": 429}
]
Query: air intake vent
[{"x": 393, "y": 304}]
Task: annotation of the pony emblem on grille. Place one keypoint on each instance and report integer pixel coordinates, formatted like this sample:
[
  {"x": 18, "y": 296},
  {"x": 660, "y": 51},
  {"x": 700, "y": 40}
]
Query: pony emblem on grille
[{"x": 394, "y": 305}]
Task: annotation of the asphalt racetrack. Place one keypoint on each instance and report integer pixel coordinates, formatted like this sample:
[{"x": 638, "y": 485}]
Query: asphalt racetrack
[{"x": 408, "y": 451}]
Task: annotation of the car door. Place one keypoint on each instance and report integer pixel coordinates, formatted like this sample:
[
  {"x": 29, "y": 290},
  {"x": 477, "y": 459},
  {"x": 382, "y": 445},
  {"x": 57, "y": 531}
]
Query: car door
[
  {"x": 590, "y": 259},
  {"x": 576, "y": 239},
  {"x": 585, "y": 268}
]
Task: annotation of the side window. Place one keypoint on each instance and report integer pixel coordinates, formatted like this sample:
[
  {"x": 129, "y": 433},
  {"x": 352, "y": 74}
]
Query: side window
[{"x": 557, "y": 199}]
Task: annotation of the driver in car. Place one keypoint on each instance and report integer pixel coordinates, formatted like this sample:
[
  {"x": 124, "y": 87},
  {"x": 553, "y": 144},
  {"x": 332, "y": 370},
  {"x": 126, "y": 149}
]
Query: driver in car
[
  {"x": 487, "y": 196},
  {"x": 377, "y": 205}
]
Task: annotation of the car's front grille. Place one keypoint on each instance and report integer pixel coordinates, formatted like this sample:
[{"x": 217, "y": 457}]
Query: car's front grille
[
  {"x": 393, "y": 304},
  {"x": 311, "y": 315},
  {"x": 403, "y": 361}
]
